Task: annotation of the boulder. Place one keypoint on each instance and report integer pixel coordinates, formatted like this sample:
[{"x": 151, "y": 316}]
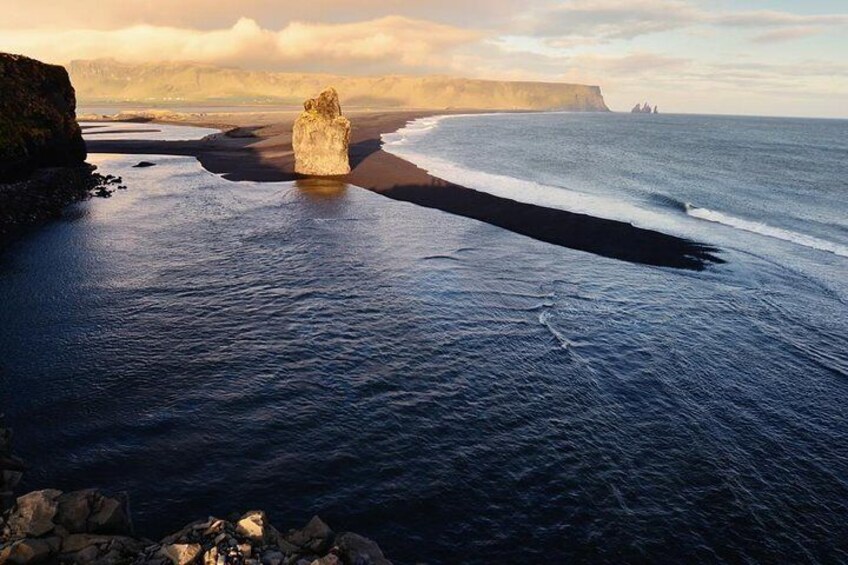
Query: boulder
[
  {"x": 75, "y": 543},
  {"x": 315, "y": 537},
  {"x": 181, "y": 553},
  {"x": 92, "y": 512},
  {"x": 321, "y": 137},
  {"x": 358, "y": 550},
  {"x": 88, "y": 548},
  {"x": 38, "y": 126},
  {"x": 272, "y": 557},
  {"x": 252, "y": 526},
  {"x": 33, "y": 514},
  {"x": 330, "y": 559},
  {"x": 74, "y": 510},
  {"x": 30, "y": 551},
  {"x": 110, "y": 516}
]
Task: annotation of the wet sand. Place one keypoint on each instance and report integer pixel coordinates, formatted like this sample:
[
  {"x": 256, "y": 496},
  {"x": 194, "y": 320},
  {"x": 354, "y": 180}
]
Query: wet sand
[{"x": 262, "y": 152}]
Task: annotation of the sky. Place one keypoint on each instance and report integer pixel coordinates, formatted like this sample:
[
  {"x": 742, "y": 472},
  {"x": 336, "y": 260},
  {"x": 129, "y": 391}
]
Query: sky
[{"x": 779, "y": 57}]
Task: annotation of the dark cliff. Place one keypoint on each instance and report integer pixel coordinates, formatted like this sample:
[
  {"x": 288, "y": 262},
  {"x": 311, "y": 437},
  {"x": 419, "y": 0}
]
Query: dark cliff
[
  {"x": 38, "y": 126},
  {"x": 42, "y": 152}
]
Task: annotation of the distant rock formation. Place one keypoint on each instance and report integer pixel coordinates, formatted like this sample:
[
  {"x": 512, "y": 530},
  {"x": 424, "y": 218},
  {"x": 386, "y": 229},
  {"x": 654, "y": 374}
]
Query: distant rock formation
[
  {"x": 38, "y": 126},
  {"x": 644, "y": 109},
  {"x": 321, "y": 136},
  {"x": 107, "y": 80}
]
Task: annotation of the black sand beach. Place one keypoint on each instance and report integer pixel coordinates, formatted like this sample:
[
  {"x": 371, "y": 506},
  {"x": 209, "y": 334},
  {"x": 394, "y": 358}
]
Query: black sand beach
[{"x": 263, "y": 153}]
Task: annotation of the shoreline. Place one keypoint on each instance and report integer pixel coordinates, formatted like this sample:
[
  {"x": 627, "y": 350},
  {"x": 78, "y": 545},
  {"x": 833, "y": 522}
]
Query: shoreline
[{"x": 263, "y": 153}]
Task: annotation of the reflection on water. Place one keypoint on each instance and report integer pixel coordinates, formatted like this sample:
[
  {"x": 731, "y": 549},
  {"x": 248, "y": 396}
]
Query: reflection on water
[{"x": 321, "y": 187}]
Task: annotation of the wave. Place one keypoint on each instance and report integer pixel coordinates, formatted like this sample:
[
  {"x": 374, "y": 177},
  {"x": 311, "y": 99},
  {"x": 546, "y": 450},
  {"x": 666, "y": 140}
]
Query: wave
[
  {"x": 402, "y": 144},
  {"x": 766, "y": 230}
]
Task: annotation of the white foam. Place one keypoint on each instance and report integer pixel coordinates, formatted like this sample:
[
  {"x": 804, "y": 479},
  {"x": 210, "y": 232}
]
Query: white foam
[
  {"x": 530, "y": 192},
  {"x": 766, "y": 230},
  {"x": 526, "y": 191}
]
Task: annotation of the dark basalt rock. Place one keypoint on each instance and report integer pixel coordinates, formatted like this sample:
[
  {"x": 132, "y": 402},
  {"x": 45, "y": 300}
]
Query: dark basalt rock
[
  {"x": 144, "y": 164},
  {"x": 42, "y": 153},
  {"x": 38, "y": 126}
]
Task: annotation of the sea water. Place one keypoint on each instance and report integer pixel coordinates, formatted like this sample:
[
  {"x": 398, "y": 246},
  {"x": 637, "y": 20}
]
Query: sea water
[{"x": 453, "y": 390}]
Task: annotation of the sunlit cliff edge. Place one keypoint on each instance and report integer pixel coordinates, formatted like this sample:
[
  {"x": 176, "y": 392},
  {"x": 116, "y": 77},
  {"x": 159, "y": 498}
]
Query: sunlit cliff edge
[{"x": 106, "y": 80}]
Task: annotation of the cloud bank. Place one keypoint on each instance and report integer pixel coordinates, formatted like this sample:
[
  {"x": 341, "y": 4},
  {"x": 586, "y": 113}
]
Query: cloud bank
[
  {"x": 683, "y": 54},
  {"x": 393, "y": 40}
]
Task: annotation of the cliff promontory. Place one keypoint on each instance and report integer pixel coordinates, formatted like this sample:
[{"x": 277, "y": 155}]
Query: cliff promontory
[
  {"x": 38, "y": 125},
  {"x": 107, "y": 80}
]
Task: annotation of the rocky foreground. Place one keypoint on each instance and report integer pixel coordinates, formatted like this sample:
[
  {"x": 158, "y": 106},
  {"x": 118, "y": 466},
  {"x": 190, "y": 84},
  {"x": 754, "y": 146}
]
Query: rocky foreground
[{"x": 90, "y": 527}]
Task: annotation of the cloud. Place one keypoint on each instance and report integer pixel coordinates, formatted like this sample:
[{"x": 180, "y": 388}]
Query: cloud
[
  {"x": 391, "y": 40},
  {"x": 787, "y": 34},
  {"x": 771, "y": 18},
  {"x": 272, "y": 14},
  {"x": 575, "y": 22},
  {"x": 609, "y": 19}
]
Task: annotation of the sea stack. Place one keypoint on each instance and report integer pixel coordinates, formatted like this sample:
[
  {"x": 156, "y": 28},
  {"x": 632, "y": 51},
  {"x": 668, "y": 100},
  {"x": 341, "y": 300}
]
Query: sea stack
[
  {"x": 321, "y": 137},
  {"x": 643, "y": 109},
  {"x": 38, "y": 125}
]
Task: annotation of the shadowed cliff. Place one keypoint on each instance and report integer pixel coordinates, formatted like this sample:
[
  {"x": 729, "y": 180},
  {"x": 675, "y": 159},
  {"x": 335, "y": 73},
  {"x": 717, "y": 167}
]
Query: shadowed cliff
[{"x": 38, "y": 126}]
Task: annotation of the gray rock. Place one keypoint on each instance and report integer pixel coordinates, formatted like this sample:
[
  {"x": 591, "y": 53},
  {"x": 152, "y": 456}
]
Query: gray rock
[
  {"x": 33, "y": 514},
  {"x": 74, "y": 510},
  {"x": 126, "y": 545},
  {"x": 113, "y": 557},
  {"x": 110, "y": 516},
  {"x": 188, "y": 534},
  {"x": 89, "y": 511},
  {"x": 75, "y": 543},
  {"x": 181, "y": 553},
  {"x": 86, "y": 555},
  {"x": 359, "y": 550},
  {"x": 30, "y": 551},
  {"x": 327, "y": 560},
  {"x": 272, "y": 557},
  {"x": 316, "y": 536}
]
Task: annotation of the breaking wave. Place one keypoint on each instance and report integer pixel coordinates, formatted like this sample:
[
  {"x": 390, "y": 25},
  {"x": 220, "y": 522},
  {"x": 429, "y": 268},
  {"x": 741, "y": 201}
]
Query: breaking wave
[{"x": 767, "y": 230}]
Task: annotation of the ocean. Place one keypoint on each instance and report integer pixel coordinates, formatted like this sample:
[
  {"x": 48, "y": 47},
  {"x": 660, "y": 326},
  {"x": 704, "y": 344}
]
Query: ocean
[{"x": 458, "y": 392}]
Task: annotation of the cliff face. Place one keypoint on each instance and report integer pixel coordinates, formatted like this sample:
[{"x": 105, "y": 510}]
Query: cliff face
[
  {"x": 107, "y": 80},
  {"x": 38, "y": 126}
]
